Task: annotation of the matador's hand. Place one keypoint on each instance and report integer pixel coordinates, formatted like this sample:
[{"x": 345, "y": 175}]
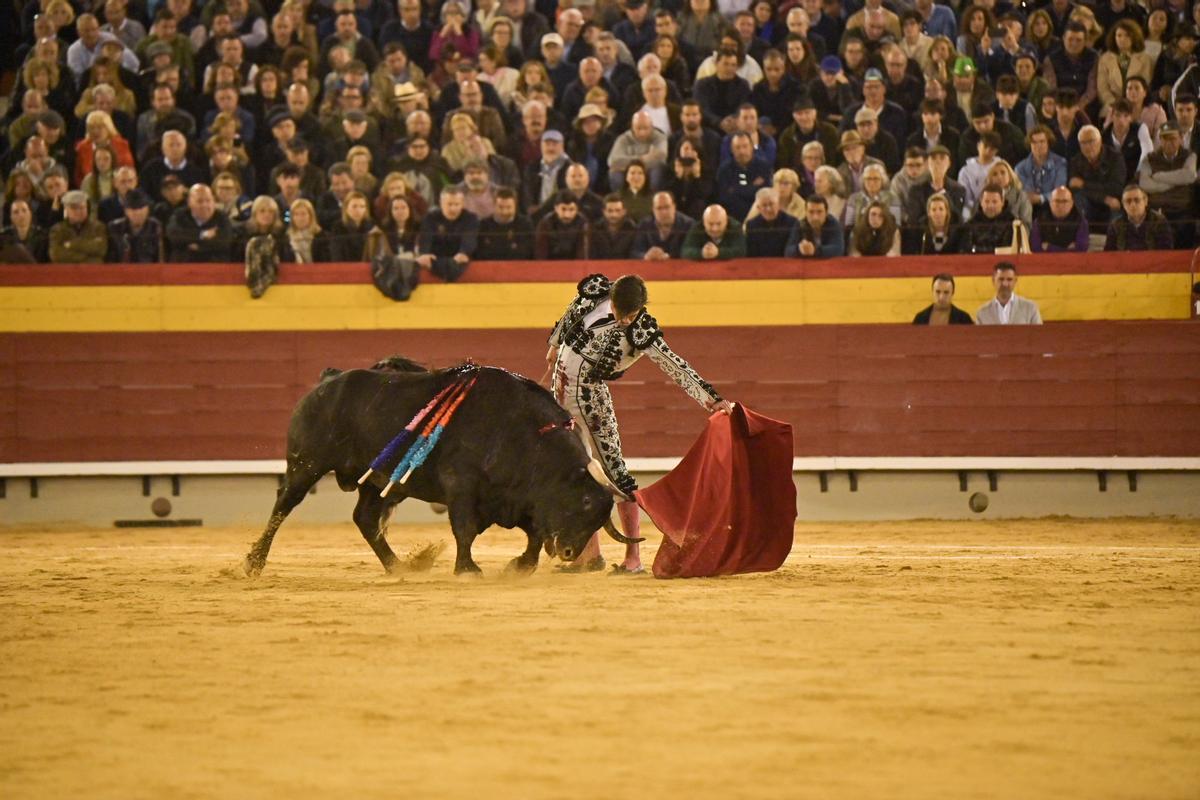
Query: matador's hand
[{"x": 725, "y": 407}]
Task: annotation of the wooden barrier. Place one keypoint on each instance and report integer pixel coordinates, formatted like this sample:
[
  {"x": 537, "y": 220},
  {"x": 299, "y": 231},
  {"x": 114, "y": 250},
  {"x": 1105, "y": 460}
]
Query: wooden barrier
[{"x": 1072, "y": 389}]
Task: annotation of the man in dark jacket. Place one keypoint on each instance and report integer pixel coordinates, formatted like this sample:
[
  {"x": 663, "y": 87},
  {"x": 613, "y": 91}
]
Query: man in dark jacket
[
  {"x": 199, "y": 232},
  {"x": 768, "y": 232},
  {"x": 740, "y": 178},
  {"x": 818, "y": 235},
  {"x": 943, "y": 311},
  {"x": 506, "y": 235},
  {"x": 1140, "y": 228},
  {"x": 661, "y": 236},
  {"x": 449, "y": 236},
  {"x": 992, "y": 226},
  {"x": 1097, "y": 176},
  {"x": 561, "y": 235},
  {"x": 612, "y": 236},
  {"x": 135, "y": 238}
]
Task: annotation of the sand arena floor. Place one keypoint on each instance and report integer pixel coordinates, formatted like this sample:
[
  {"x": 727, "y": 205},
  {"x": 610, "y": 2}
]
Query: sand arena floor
[{"x": 1052, "y": 658}]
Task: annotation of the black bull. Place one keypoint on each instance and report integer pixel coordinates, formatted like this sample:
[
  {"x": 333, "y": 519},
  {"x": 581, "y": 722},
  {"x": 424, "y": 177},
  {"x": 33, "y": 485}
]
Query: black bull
[{"x": 507, "y": 458}]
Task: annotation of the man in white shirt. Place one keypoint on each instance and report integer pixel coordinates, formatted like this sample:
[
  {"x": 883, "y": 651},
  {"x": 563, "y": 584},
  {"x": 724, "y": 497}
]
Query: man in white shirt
[{"x": 1007, "y": 308}]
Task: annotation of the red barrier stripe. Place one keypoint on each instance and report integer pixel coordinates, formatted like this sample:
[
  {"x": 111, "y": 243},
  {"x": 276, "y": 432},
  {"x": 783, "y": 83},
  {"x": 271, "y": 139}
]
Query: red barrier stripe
[{"x": 1169, "y": 261}]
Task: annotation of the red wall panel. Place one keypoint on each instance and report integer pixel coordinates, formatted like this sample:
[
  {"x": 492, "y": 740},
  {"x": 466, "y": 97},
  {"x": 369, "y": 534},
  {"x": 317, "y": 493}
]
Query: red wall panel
[{"x": 1078, "y": 389}]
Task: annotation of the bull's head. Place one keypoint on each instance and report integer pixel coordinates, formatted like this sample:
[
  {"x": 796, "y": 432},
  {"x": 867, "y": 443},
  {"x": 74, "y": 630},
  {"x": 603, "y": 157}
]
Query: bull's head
[{"x": 590, "y": 494}]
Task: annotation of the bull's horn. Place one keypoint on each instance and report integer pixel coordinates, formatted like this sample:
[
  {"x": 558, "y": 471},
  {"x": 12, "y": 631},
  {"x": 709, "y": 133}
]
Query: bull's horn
[
  {"x": 612, "y": 531},
  {"x": 596, "y": 470}
]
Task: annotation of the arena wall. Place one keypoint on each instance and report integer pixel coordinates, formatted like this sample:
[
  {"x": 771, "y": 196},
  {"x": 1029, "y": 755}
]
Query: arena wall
[{"x": 120, "y": 363}]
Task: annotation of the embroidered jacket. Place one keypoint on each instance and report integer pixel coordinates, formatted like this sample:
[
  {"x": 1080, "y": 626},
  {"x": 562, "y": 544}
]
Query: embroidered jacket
[{"x": 593, "y": 348}]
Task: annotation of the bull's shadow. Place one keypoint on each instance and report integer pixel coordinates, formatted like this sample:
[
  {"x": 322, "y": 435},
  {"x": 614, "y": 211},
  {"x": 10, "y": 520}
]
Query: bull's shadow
[{"x": 506, "y": 457}]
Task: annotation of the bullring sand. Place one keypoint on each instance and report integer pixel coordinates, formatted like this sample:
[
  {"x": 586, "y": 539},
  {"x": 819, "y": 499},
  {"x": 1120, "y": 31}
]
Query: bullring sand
[{"x": 1051, "y": 658}]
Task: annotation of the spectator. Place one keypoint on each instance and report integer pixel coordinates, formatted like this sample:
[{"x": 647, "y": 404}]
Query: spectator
[
  {"x": 714, "y": 238},
  {"x": 1015, "y": 198},
  {"x": 543, "y": 179},
  {"x": 591, "y": 205},
  {"x": 174, "y": 197},
  {"x": 818, "y": 235},
  {"x": 806, "y": 128},
  {"x": 1059, "y": 226},
  {"x": 348, "y": 235},
  {"x": 506, "y": 235},
  {"x": 636, "y": 192},
  {"x": 913, "y": 173},
  {"x": 690, "y": 182},
  {"x": 879, "y": 144},
  {"x": 855, "y": 161},
  {"x": 100, "y": 132},
  {"x": 1125, "y": 57},
  {"x": 993, "y": 228},
  {"x": 747, "y": 123},
  {"x": 199, "y": 232},
  {"x": 721, "y": 95},
  {"x": 875, "y": 190},
  {"x": 942, "y": 235},
  {"x": 1129, "y": 138},
  {"x": 591, "y": 143},
  {"x": 612, "y": 236},
  {"x": 1043, "y": 170},
  {"x": 1007, "y": 307},
  {"x": 136, "y": 238},
  {"x": 399, "y": 229},
  {"x": 934, "y": 131},
  {"x": 983, "y": 119},
  {"x": 1065, "y": 122},
  {"x": 768, "y": 232},
  {"x": 125, "y": 179},
  {"x": 23, "y": 240},
  {"x": 875, "y": 232},
  {"x": 1168, "y": 176},
  {"x": 943, "y": 311},
  {"x": 661, "y": 236},
  {"x": 1140, "y": 227},
  {"x": 303, "y": 240},
  {"x": 561, "y": 235},
  {"x": 449, "y": 237},
  {"x": 827, "y": 184},
  {"x": 174, "y": 161},
  {"x": 939, "y": 183},
  {"x": 642, "y": 142},
  {"x": 1073, "y": 65},
  {"x": 974, "y": 173},
  {"x": 1097, "y": 175},
  {"x": 264, "y": 221},
  {"x": 78, "y": 239},
  {"x": 741, "y": 178}
]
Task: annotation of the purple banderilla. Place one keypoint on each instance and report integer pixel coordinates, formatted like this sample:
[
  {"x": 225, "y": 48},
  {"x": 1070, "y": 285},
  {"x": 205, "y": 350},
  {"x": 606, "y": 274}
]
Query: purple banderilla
[{"x": 393, "y": 447}]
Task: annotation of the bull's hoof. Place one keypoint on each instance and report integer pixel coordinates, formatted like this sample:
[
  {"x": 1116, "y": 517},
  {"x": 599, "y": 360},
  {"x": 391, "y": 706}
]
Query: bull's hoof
[
  {"x": 470, "y": 569},
  {"x": 518, "y": 566},
  {"x": 251, "y": 567}
]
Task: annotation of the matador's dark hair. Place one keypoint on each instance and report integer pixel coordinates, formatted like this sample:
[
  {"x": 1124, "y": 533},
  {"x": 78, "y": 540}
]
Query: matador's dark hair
[{"x": 628, "y": 295}]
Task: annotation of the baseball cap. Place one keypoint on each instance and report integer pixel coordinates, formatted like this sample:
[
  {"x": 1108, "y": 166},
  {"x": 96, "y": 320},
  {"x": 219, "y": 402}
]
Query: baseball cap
[
  {"x": 873, "y": 75},
  {"x": 136, "y": 198},
  {"x": 963, "y": 66},
  {"x": 74, "y": 198},
  {"x": 552, "y": 135},
  {"x": 158, "y": 49},
  {"x": 552, "y": 38},
  {"x": 831, "y": 64},
  {"x": 1169, "y": 127},
  {"x": 865, "y": 114},
  {"x": 803, "y": 103},
  {"x": 634, "y": 3}
]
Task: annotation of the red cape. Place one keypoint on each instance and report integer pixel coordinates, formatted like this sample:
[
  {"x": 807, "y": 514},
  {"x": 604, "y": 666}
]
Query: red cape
[{"x": 730, "y": 505}]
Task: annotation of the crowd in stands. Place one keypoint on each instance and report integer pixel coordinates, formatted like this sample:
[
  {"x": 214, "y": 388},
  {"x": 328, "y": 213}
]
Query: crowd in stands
[{"x": 445, "y": 132}]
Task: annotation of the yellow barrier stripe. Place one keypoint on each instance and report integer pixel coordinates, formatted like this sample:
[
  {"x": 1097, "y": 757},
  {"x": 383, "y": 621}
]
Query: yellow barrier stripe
[{"x": 44, "y": 309}]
